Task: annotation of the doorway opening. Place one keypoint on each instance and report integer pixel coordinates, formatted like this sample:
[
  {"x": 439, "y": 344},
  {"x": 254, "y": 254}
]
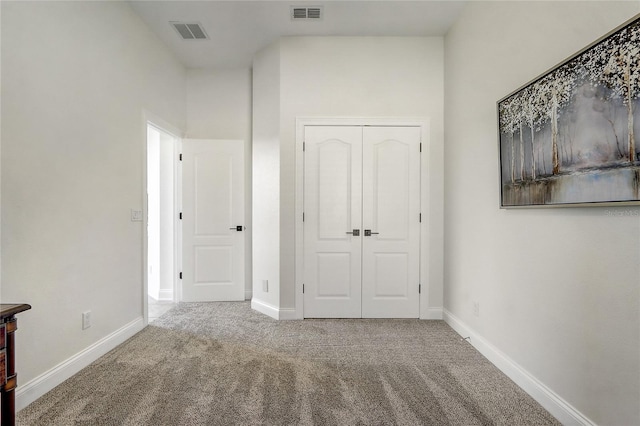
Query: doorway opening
[{"x": 162, "y": 232}]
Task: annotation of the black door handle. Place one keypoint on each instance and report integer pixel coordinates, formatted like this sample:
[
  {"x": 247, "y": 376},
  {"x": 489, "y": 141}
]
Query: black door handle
[
  {"x": 368, "y": 233},
  {"x": 355, "y": 232},
  {"x": 238, "y": 228}
]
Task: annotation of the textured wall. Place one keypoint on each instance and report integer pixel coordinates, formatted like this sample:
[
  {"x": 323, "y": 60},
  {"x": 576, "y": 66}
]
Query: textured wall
[
  {"x": 266, "y": 174},
  {"x": 361, "y": 77},
  {"x": 558, "y": 289},
  {"x": 219, "y": 107},
  {"x": 76, "y": 77}
]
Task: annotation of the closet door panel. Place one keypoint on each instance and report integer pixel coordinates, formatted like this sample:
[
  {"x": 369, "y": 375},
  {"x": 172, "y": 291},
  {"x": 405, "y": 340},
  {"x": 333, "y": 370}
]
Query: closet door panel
[
  {"x": 333, "y": 209},
  {"x": 391, "y": 211}
]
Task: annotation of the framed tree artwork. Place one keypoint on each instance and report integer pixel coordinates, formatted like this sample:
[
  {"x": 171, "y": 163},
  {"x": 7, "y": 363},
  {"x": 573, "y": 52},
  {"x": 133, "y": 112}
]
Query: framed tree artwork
[{"x": 570, "y": 137}]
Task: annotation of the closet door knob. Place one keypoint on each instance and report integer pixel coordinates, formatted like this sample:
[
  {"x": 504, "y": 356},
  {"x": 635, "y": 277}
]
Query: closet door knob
[
  {"x": 355, "y": 232},
  {"x": 238, "y": 228}
]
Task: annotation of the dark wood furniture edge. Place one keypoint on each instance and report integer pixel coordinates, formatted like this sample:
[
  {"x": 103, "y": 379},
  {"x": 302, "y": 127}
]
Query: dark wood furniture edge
[
  {"x": 7, "y": 391},
  {"x": 10, "y": 309}
]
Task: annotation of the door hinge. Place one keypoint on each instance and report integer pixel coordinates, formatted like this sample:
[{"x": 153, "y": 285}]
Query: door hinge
[
  {"x": 420, "y": 146},
  {"x": 303, "y": 216},
  {"x": 302, "y": 288},
  {"x": 420, "y": 218},
  {"x": 180, "y": 275},
  {"x": 181, "y": 157},
  {"x": 304, "y": 146},
  {"x": 180, "y": 215},
  {"x": 419, "y": 288}
]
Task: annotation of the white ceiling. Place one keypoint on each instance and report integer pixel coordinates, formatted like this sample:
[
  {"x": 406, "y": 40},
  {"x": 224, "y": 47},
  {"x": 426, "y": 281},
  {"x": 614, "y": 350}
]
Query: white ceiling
[{"x": 238, "y": 29}]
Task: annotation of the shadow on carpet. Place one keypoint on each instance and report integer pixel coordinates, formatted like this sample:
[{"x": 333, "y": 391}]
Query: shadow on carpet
[{"x": 225, "y": 364}]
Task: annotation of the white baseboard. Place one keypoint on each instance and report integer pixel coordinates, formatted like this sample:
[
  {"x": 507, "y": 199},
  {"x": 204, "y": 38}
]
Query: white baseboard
[
  {"x": 433, "y": 314},
  {"x": 552, "y": 402},
  {"x": 270, "y": 310},
  {"x": 42, "y": 384},
  {"x": 248, "y": 294},
  {"x": 166, "y": 294},
  {"x": 287, "y": 314},
  {"x": 265, "y": 308},
  {"x": 292, "y": 314}
]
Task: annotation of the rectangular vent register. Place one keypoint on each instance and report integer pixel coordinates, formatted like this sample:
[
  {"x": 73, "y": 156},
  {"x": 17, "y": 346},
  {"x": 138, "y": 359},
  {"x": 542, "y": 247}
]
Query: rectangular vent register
[
  {"x": 299, "y": 13},
  {"x": 190, "y": 30}
]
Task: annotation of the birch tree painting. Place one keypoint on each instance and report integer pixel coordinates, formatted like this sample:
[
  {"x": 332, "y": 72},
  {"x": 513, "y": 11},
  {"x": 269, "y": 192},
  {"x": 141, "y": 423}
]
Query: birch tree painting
[{"x": 570, "y": 137}]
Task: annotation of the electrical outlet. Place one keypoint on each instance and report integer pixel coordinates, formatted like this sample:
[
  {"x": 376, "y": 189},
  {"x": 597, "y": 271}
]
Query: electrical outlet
[
  {"x": 86, "y": 320},
  {"x": 136, "y": 215},
  {"x": 265, "y": 286},
  {"x": 476, "y": 309}
]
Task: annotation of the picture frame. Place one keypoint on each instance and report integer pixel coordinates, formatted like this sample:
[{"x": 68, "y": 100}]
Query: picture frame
[{"x": 570, "y": 137}]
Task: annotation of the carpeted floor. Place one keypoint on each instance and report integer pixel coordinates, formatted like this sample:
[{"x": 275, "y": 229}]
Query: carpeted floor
[{"x": 224, "y": 364}]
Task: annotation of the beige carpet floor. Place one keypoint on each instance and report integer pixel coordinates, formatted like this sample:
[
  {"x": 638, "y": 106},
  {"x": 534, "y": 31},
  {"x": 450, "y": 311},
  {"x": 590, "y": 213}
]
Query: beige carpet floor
[{"x": 225, "y": 364}]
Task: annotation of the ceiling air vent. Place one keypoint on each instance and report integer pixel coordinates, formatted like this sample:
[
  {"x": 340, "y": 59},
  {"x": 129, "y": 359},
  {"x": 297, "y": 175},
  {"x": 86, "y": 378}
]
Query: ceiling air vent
[
  {"x": 189, "y": 30},
  {"x": 306, "y": 13}
]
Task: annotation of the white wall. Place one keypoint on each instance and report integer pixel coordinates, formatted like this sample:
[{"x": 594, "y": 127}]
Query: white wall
[
  {"x": 219, "y": 107},
  {"x": 161, "y": 163},
  {"x": 558, "y": 289},
  {"x": 76, "y": 77},
  {"x": 219, "y": 104},
  {"x": 153, "y": 212},
  {"x": 266, "y": 177},
  {"x": 167, "y": 166},
  {"x": 359, "y": 77},
  {"x": 1, "y": 298}
]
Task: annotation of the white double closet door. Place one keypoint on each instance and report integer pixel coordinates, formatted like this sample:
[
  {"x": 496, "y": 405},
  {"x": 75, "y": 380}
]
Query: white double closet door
[{"x": 362, "y": 222}]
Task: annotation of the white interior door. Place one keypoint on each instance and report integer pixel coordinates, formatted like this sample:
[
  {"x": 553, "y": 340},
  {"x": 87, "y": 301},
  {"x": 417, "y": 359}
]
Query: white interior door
[
  {"x": 362, "y": 222},
  {"x": 212, "y": 220},
  {"x": 391, "y": 212},
  {"x": 333, "y": 208}
]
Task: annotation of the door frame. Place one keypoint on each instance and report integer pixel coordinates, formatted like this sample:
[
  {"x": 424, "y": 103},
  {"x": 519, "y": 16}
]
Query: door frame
[
  {"x": 425, "y": 202},
  {"x": 150, "y": 119}
]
